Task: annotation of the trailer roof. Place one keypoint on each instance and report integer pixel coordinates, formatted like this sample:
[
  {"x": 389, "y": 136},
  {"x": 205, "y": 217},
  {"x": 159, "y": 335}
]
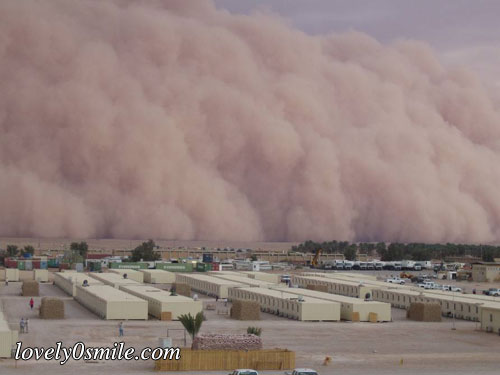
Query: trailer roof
[
  {"x": 327, "y": 296},
  {"x": 277, "y": 293},
  {"x": 245, "y": 280},
  {"x": 214, "y": 280},
  {"x": 155, "y": 293},
  {"x": 78, "y": 277},
  {"x": 108, "y": 293}
]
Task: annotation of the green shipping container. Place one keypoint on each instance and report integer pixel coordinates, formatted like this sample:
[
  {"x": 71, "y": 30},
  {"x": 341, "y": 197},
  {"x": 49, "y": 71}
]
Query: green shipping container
[
  {"x": 128, "y": 266},
  {"x": 175, "y": 267},
  {"x": 203, "y": 267},
  {"x": 95, "y": 266},
  {"x": 53, "y": 263},
  {"x": 21, "y": 265}
]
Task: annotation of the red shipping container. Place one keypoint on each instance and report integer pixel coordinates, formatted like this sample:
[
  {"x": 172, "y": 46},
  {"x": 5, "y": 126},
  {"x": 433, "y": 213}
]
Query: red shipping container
[
  {"x": 98, "y": 256},
  {"x": 36, "y": 264},
  {"x": 215, "y": 267}
]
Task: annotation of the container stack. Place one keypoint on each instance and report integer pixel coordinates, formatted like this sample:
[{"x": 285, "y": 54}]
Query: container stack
[
  {"x": 52, "y": 308},
  {"x": 245, "y": 310},
  {"x": 31, "y": 288},
  {"x": 214, "y": 341}
]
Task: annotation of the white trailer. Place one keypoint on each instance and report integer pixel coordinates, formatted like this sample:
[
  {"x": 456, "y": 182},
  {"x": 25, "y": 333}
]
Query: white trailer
[
  {"x": 68, "y": 281},
  {"x": 158, "y": 276},
  {"x": 209, "y": 285},
  {"x": 131, "y": 274}
]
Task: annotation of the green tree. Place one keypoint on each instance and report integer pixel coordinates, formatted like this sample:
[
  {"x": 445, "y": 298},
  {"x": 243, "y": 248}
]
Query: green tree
[
  {"x": 29, "y": 250},
  {"x": 253, "y": 258},
  {"x": 81, "y": 248},
  {"x": 350, "y": 252},
  {"x": 145, "y": 252},
  {"x": 12, "y": 250},
  {"x": 192, "y": 324},
  {"x": 488, "y": 256}
]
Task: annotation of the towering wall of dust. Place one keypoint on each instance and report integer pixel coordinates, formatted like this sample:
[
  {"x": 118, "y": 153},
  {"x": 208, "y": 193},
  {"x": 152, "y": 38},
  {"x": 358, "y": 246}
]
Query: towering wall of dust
[{"x": 173, "y": 119}]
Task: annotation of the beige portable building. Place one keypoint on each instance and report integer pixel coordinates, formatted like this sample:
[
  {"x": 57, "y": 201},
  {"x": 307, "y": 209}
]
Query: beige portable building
[
  {"x": 114, "y": 280},
  {"x": 400, "y": 298},
  {"x": 42, "y": 276},
  {"x": 11, "y": 274},
  {"x": 341, "y": 287},
  {"x": 110, "y": 303},
  {"x": 131, "y": 274},
  {"x": 209, "y": 285},
  {"x": 490, "y": 318},
  {"x": 68, "y": 281},
  {"x": 8, "y": 337},
  {"x": 486, "y": 272},
  {"x": 158, "y": 276},
  {"x": 264, "y": 276},
  {"x": 349, "y": 305},
  {"x": 247, "y": 281},
  {"x": 342, "y": 275},
  {"x": 161, "y": 301},
  {"x": 289, "y": 305}
]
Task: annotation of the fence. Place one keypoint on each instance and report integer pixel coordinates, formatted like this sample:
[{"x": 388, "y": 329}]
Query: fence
[{"x": 208, "y": 360}]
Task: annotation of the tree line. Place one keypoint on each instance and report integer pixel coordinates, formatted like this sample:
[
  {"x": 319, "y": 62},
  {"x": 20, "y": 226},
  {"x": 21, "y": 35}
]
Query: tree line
[{"x": 396, "y": 251}]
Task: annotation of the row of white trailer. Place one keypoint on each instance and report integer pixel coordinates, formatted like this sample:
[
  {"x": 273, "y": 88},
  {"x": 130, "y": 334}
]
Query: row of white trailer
[
  {"x": 474, "y": 307},
  {"x": 111, "y": 296},
  {"x": 8, "y": 337},
  {"x": 12, "y": 274}
]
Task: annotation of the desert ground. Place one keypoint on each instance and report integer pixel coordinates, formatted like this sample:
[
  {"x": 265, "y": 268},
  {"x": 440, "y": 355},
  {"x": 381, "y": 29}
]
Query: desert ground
[{"x": 398, "y": 347}]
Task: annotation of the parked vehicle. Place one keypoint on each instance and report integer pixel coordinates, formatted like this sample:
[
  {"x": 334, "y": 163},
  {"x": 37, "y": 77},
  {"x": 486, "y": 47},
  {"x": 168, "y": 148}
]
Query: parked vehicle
[
  {"x": 348, "y": 265},
  {"x": 495, "y": 292},
  {"x": 244, "y": 372},
  {"x": 302, "y": 371},
  {"x": 429, "y": 285},
  {"x": 379, "y": 266},
  {"x": 451, "y": 288},
  {"x": 395, "y": 280}
]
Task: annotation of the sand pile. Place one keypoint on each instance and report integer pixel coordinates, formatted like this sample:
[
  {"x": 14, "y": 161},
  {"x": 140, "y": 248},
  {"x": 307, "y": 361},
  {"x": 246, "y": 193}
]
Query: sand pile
[{"x": 245, "y": 310}]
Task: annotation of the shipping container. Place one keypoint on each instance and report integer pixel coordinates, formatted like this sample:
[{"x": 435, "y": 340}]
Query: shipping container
[
  {"x": 175, "y": 267},
  {"x": 158, "y": 276},
  {"x": 28, "y": 265},
  {"x": 131, "y": 274},
  {"x": 203, "y": 267},
  {"x": 36, "y": 264},
  {"x": 21, "y": 265},
  {"x": 208, "y": 258},
  {"x": 53, "y": 263},
  {"x": 215, "y": 267},
  {"x": 160, "y": 301},
  {"x": 43, "y": 265},
  {"x": 128, "y": 265},
  {"x": 110, "y": 303},
  {"x": 95, "y": 266}
]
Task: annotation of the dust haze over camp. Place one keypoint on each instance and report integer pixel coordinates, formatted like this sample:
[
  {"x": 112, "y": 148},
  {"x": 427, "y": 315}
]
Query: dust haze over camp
[{"x": 174, "y": 119}]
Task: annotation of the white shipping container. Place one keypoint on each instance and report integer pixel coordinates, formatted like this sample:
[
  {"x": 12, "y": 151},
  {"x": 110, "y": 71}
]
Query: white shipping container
[
  {"x": 68, "y": 281},
  {"x": 158, "y": 276}
]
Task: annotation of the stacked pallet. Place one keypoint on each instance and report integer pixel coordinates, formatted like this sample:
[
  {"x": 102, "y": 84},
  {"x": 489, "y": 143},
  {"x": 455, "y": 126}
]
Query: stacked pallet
[
  {"x": 424, "y": 312},
  {"x": 245, "y": 310},
  {"x": 215, "y": 341},
  {"x": 182, "y": 289},
  {"x": 30, "y": 288},
  {"x": 52, "y": 308}
]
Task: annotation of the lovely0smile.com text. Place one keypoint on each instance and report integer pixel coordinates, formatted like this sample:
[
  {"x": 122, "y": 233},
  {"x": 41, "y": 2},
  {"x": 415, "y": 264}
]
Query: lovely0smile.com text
[{"x": 79, "y": 351}]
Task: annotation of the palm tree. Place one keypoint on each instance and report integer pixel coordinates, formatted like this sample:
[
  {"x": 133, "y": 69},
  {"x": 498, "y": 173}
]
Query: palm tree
[
  {"x": 192, "y": 324},
  {"x": 254, "y": 331}
]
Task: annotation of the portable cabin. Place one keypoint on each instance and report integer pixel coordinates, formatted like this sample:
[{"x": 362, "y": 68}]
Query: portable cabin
[
  {"x": 68, "y": 281},
  {"x": 349, "y": 305},
  {"x": 160, "y": 301},
  {"x": 135, "y": 275},
  {"x": 110, "y": 303},
  {"x": 209, "y": 285},
  {"x": 341, "y": 287},
  {"x": 158, "y": 276},
  {"x": 114, "y": 279},
  {"x": 8, "y": 337},
  {"x": 289, "y": 305},
  {"x": 41, "y": 275},
  {"x": 11, "y": 274}
]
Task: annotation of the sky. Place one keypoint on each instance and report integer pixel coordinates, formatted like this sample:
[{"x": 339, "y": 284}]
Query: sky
[{"x": 462, "y": 32}]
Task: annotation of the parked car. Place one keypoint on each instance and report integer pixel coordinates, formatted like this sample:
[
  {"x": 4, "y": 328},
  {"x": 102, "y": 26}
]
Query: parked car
[
  {"x": 302, "y": 371},
  {"x": 451, "y": 288},
  {"x": 429, "y": 285},
  {"x": 244, "y": 372},
  {"x": 495, "y": 292},
  {"x": 396, "y": 280}
]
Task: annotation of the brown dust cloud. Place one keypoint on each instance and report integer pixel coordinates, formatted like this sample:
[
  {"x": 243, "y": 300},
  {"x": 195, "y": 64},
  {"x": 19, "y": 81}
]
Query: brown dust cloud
[{"x": 176, "y": 120}]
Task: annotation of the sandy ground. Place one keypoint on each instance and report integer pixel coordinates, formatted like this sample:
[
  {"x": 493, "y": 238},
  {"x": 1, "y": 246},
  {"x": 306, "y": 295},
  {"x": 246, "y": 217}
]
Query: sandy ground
[{"x": 355, "y": 348}]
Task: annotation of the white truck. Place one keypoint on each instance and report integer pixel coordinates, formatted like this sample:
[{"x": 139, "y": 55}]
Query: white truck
[
  {"x": 429, "y": 285},
  {"x": 395, "y": 280},
  {"x": 244, "y": 372},
  {"x": 302, "y": 371},
  {"x": 451, "y": 288}
]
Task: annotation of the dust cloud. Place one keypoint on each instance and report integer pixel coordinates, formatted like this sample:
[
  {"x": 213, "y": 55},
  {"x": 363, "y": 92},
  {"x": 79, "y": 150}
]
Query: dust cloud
[{"x": 176, "y": 120}]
